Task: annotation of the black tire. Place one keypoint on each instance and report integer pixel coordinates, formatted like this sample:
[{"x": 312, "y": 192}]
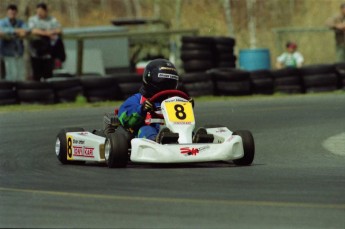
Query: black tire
[
  {"x": 262, "y": 84},
  {"x": 116, "y": 150},
  {"x": 126, "y": 78},
  {"x": 321, "y": 89},
  {"x": 68, "y": 95},
  {"x": 64, "y": 83},
  {"x": 226, "y": 41},
  {"x": 61, "y": 151},
  {"x": 233, "y": 88},
  {"x": 287, "y": 81},
  {"x": 195, "y": 77},
  {"x": 198, "y": 40},
  {"x": 289, "y": 89},
  {"x": 197, "y": 65},
  {"x": 248, "y": 148},
  {"x": 102, "y": 94},
  {"x": 34, "y": 85},
  {"x": 318, "y": 69},
  {"x": 226, "y": 64},
  {"x": 8, "y": 97},
  {"x": 128, "y": 89},
  {"x": 196, "y": 55},
  {"x": 229, "y": 74},
  {"x": 194, "y": 46},
  {"x": 261, "y": 74},
  {"x": 227, "y": 57},
  {"x": 220, "y": 48},
  {"x": 321, "y": 80},
  {"x": 42, "y": 96},
  {"x": 7, "y": 85},
  {"x": 201, "y": 88},
  {"x": 285, "y": 72},
  {"x": 98, "y": 82}
]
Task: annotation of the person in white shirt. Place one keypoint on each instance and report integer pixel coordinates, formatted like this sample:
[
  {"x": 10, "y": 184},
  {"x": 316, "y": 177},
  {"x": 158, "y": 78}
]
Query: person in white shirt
[{"x": 291, "y": 58}]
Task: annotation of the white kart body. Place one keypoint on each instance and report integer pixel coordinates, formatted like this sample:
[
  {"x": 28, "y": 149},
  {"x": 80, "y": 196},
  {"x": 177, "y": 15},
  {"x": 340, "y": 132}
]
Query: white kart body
[
  {"x": 225, "y": 146},
  {"x": 86, "y": 146}
]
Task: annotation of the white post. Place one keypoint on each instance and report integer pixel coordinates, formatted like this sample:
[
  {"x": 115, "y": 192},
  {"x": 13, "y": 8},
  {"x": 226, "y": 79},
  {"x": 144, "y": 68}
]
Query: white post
[{"x": 251, "y": 23}]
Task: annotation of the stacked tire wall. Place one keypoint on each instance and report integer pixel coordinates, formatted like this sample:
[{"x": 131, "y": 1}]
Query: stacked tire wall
[
  {"x": 66, "y": 89},
  {"x": 203, "y": 53},
  {"x": 215, "y": 81}
]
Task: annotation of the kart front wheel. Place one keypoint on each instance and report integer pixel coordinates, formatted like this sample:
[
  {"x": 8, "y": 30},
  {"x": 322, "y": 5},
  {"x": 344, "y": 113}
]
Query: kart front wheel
[
  {"x": 248, "y": 147},
  {"x": 116, "y": 150},
  {"x": 61, "y": 145}
]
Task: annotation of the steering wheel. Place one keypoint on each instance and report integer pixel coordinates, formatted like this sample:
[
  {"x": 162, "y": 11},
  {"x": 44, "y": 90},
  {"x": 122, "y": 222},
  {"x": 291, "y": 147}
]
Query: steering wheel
[{"x": 168, "y": 93}]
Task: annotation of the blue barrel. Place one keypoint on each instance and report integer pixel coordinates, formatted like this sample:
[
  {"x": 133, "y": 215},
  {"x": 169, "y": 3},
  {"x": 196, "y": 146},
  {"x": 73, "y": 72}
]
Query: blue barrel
[{"x": 255, "y": 59}]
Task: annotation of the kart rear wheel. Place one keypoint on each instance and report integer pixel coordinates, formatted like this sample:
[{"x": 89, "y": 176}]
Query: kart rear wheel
[
  {"x": 248, "y": 147},
  {"x": 116, "y": 150},
  {"x": 61, "y": 145}
]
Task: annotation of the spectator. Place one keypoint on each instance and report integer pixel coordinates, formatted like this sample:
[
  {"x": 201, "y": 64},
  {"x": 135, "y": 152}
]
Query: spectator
[
  {"x": 337, "y": 23},
  {"x": 11, "y": 44},
  {"x": 47, "y": 30},
  {"x": 291, "y": 58}
]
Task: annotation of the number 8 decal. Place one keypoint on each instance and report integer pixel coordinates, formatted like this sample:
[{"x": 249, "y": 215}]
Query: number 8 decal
[
  {"x": 180, "y": 114},
  {"x": 69, "y": 147}
]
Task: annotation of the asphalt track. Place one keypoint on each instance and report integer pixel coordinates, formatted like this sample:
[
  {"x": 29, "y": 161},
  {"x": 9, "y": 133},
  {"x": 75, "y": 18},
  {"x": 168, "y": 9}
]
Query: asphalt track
[{"x": 294, "y": 182}]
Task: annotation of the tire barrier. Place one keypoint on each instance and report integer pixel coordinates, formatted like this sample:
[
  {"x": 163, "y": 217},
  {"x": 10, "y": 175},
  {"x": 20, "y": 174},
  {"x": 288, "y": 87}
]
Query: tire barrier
[
  {"x": 340, "y": 70},
  {"x": 66, "y": 89},
  {"x": 98, "y": 88},
  {"x": 8, "y": 93},
  {"x": 197, "y": 84},
  {"x": 288, "y": 80},
  {"x": 203, "y": 53},
  {"x": 215, "y": 81},
  {"x": 318, "y": 78},
  {"x": 129, "y": 83},
  {"x": 229, "y": 81},
  {"x": 262, "y": 82},
  {"x": 35, "y": 92}
]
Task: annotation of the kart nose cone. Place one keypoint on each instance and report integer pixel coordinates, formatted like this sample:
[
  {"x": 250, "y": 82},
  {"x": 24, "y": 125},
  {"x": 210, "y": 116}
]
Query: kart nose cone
[{"x": 57, "y": 146}]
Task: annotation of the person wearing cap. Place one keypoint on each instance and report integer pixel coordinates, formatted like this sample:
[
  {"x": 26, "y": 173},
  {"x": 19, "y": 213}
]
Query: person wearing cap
[
  {"x": 11, "y": 44},
  {"x": 46, "y": 30},
  {"x": 337, "y": 24},
  {"x": 291, "y": 58}
]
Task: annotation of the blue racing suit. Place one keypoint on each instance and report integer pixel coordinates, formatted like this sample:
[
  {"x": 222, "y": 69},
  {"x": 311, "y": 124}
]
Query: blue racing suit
[{"x": 131, "y": 116}]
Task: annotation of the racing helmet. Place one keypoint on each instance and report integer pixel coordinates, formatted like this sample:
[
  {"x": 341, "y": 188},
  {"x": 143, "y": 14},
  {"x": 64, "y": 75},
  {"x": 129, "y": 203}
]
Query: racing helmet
[{"x": 159, "y": 75}]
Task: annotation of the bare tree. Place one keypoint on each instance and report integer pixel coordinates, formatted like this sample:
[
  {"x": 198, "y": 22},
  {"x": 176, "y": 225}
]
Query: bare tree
[
  {"x": 227, "y": 8},
  {"x": 128, "y": 7},
  {"x": 137, "y": 7},
  {"x": 251, "y": 23},
  {"x": 73, "y": 12},
  {"x": 156, "y": 9}
]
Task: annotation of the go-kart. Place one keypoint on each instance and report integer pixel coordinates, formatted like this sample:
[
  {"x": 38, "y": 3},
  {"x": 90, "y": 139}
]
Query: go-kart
[{"x": 178, "y": 143}]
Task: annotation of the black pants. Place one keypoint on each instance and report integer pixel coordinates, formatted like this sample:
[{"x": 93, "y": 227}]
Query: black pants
[{"x": 42, "y": 68}]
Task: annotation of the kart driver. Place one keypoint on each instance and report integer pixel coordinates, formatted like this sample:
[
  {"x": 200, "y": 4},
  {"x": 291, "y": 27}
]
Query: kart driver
[{"x": 159, "y": 75}]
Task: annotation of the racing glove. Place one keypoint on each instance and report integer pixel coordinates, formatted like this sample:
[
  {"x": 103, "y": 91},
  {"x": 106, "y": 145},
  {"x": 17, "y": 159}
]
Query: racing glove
[{"x": 147, "y": 106}]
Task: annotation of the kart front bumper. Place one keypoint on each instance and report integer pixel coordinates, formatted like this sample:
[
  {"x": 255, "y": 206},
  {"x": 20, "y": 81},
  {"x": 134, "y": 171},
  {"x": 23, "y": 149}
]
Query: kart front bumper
[{"x": 148, "y": 151}]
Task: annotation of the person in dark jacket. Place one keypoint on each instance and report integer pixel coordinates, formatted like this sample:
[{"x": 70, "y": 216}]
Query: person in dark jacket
[
  {"x": 47, "y": 31},
  {"x": 11, "y": 44}
]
